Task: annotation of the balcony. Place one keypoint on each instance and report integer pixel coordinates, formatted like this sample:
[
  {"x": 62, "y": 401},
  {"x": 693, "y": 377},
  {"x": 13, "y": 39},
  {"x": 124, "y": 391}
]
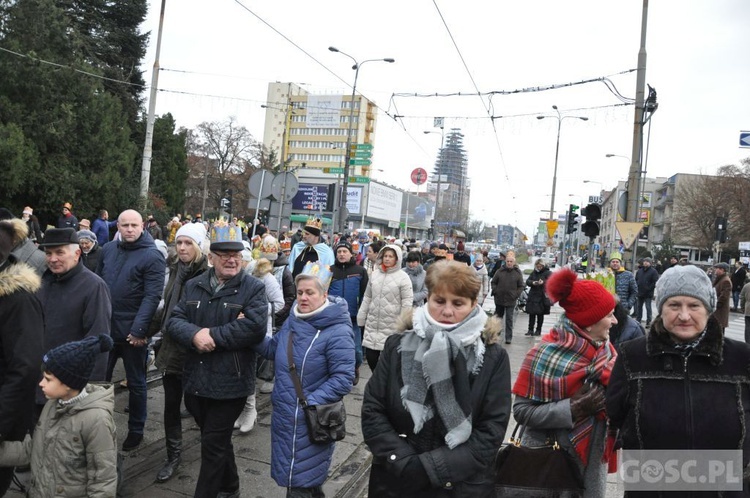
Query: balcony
[{"x": 663, "y": 201}]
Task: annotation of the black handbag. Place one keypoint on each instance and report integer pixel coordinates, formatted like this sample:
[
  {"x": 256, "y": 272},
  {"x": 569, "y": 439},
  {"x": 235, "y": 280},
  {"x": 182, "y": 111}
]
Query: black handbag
[
  {"x": 547, "y": 471},
  {"x": 325, "y": 423}
]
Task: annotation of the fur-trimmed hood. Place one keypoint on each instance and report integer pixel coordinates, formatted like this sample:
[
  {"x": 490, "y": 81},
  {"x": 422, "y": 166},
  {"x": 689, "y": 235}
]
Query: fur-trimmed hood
[
  {"x": 20, "y": 230},
  {"x": 490, "y": 334},
  {"x": 19, "y": 276},
  {"x": 712, "y": 345},
  {"x": 262, "y": 268}
]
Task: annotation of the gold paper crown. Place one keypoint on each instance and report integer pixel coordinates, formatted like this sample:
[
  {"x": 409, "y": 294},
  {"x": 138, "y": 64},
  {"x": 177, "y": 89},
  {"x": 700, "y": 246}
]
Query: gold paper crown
[
  {"x": 322, "y": 272},
  {"x": 286, "y": 244},
  {"x": 314, "y": 223}
]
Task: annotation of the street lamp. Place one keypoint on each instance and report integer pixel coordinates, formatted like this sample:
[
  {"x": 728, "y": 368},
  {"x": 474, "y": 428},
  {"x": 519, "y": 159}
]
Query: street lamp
[
  {"x": 440, "y": 169},
  {"x": 560, "y": 119},
  {"x": 356, "y": 66}
]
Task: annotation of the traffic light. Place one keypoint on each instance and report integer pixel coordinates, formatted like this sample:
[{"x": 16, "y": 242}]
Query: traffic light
[
  {"x": 593, "y": 213},
  {"x": 331, "y": 197},
  {"x": 721, "y": 229},
  {"x": 572, "y": 221},
  {"x": 226, "y": 201}
]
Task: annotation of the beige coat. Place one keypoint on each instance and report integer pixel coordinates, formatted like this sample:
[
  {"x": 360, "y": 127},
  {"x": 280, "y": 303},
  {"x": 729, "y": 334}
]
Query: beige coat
[
  {"x": 388, "y": 293},
  {"x": 74, "y": 449}
]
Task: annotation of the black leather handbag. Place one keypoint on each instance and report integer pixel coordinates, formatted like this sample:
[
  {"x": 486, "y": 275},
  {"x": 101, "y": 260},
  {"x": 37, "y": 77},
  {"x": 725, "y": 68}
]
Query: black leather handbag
[
  {"x": 547, "y": 471},
  {"x": 325, "y": 423}
]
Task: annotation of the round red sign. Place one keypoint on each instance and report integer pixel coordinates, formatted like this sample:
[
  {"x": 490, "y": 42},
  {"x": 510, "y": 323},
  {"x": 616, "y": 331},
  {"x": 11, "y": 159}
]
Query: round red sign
[{"x": 419, "y": 176}]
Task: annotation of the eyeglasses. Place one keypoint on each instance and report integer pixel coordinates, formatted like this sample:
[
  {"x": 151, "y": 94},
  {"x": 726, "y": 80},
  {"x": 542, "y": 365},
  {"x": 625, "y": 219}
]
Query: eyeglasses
[{"x": 226, "y": 256}]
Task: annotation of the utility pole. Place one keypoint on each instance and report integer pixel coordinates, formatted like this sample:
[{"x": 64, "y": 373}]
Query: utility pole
[
  {"x": 634, "y": 175},
  {"x": 147, "y": 150}
]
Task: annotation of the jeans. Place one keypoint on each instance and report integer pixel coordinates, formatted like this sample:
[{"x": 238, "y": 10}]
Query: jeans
[
  {"x": 747, "y": 329},
  {"x": 215, "y": 417},
  {"x": 507, "y": 312},
  {"x": 357, "y": 342},
  {"x": 134, "y": 361},
  {"x": 736, "y": 298},
  {"x": 639, "y": 309},
  {"x": 172, "y": 401}
]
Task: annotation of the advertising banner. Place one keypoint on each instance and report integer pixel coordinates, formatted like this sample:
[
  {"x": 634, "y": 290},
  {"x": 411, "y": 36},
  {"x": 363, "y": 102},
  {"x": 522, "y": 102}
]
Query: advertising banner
[
  {"x": 505, "y": 235},
  {"x": 323, "y": 111},
  {"x": 384, "y": 203},
  {"x": 314, "y": 197},
  {"x": 419, "y": 210}
]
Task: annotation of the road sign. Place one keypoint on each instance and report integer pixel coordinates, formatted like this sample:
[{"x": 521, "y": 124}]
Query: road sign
[
  {"x": 361, "y": 154},
  {"x": 552, "y": 227},
  {"x": 360, "y": 162},
  {"x": 334, "y": 171},
  {"x": 745, "y": 139},
  {"x": 359, "y": 179},
  {"x": 629, "y": 231},
  {"x": 362, "y": 146},
  {"x": 418, "y": 176}
]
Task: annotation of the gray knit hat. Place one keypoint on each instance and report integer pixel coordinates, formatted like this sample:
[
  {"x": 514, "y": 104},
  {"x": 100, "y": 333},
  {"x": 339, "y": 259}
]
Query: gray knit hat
[{"x": 688, "y": 281}]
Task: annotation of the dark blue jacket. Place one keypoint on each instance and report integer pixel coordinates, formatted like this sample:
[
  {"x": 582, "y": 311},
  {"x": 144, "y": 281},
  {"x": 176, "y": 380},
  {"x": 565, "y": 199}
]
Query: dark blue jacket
[
  {"x": 134, "y": 273},
  {"x": 323, "y": 351},
  {"x": 350, "y": 282},
  {"x": 101, "y": 228},
  {"x": 228, "y": 372}
]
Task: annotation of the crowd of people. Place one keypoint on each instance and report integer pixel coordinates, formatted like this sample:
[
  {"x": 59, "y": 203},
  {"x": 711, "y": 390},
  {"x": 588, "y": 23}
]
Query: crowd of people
[{"x": 218, "y": 305}]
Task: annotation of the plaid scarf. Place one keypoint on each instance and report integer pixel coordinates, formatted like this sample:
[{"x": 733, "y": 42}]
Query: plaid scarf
[
  {"x": 435, "y": 365},
  {"x": 559, "y": 366}
]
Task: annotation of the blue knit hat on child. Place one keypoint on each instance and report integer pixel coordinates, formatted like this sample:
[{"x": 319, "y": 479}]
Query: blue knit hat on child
[{"x": 73, "y": 362}]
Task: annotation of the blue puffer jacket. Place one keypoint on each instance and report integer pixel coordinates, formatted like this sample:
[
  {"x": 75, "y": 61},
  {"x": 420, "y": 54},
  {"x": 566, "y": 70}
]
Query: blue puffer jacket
[
  {"x": 134, "y": 273},
  {"x": 323, "y": 350},
  {"x": 350, "y": 282},
  {"x": 626, "y": 288}
]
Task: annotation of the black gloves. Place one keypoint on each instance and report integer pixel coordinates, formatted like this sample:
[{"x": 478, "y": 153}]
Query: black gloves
[
  {"x": 588, "y": 400},
  {"x": 414, "y": 476}
]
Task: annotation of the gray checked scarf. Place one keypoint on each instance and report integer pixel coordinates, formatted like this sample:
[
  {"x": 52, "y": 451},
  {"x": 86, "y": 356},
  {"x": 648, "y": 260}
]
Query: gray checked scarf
[{"x": 435, "y": 365}]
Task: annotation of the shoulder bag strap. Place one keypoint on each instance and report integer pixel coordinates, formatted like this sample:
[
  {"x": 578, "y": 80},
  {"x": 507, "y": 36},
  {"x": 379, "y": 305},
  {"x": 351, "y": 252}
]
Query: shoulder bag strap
[{"x": 293, "y": 372}]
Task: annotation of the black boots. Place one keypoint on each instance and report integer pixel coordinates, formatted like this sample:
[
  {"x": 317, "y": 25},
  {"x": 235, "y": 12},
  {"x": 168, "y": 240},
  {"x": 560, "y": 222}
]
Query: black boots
[{"x": 174, "y": 454}]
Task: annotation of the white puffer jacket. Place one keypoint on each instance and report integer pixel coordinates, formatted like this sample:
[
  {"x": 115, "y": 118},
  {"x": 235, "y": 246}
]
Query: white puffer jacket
[{"x": 388, "y": 294}]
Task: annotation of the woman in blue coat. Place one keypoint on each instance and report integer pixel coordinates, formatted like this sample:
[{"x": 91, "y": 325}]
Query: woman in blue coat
[{"x": 323, "y": 351}]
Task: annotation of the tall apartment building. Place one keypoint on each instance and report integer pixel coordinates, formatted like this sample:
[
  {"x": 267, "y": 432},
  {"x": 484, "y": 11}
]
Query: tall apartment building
[{"x": 310, "y": 130}]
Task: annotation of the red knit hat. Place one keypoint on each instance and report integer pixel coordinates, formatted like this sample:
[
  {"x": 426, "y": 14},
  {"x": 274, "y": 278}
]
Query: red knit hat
[{"x": 585, "y": 301}]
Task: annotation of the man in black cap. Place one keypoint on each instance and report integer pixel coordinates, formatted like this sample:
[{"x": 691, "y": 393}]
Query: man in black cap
[
  {"x": 21, "y": 344},
  {"x": 75, "y": 300},
  {"x": 221, "y": 316}
]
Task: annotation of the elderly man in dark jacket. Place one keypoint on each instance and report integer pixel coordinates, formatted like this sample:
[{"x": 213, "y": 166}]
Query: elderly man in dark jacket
[
  {"x": 75, "y": 300},
  {"x": 21, "y": 344},
  {"x": 507, "y": 285},
  {"x": 645, "y": 279},
  {"x": 222, "y": 314},
  {"x": 133, "y": 268}
]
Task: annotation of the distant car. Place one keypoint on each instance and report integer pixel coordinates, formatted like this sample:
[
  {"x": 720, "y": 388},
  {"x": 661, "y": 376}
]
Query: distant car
[{"x": 549, "y": 259}]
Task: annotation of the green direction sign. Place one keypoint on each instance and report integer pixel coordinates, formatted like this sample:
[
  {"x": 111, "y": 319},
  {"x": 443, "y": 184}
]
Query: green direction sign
[
  {"x": 361, "y": 154},
  {"x": 360, "y": 162},
  {"x": 334, "y": 171},
  {"x": 359, "y": 179},
  {"x": 362, "y": 146}
]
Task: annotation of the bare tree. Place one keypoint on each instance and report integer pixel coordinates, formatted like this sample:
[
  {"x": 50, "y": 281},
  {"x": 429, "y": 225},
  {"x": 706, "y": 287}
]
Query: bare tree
[{"x": 221, "y": 156}]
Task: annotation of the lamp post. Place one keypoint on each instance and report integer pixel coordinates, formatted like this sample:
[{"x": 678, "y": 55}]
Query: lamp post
[
  {"x": 356, "y": 66},
  {"x": 560, "y": 119},
  {"x": 640, "y": 187},
  {"x": 440, "y": 169}
]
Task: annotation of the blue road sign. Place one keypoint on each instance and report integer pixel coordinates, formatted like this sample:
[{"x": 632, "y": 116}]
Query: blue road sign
[
  {"x": 745, "y": 139},
  {"x": 596, "y": 247}
]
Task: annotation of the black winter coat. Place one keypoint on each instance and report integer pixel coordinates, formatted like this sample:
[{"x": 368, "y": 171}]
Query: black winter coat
[
  {"x": 662, "y": 400},
  {"x": 228, "y": 372},
  {"x": 538, "y": 303},
  {"x": 387, "y": 427},
  {"x": 76, "y": 305},
  {"x": 91, "y": 260},
  {"x": 21, "y": 347},
  {"x": 645, "y": 279}
]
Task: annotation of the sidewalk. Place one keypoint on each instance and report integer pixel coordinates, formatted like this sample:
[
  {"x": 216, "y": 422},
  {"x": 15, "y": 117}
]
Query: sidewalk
[{"x": 349, "y": 470}]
